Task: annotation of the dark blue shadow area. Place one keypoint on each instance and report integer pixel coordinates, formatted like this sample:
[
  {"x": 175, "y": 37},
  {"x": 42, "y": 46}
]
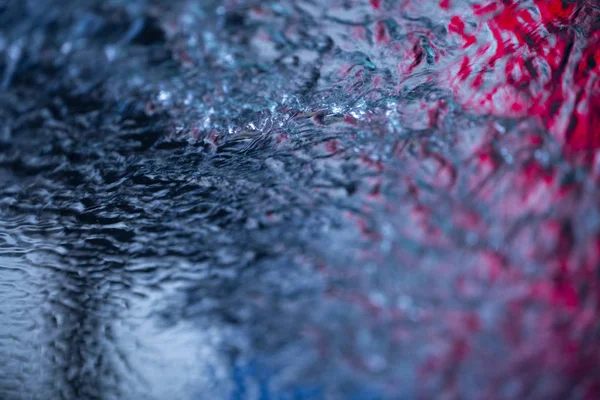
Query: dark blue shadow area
[
  {"x": 255, "y": 378},
  {"x": 259, "y": 376}
]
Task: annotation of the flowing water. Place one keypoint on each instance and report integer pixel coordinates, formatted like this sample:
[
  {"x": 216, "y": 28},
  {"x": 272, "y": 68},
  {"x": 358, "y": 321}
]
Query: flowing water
[{"x": 299, "y": 199}]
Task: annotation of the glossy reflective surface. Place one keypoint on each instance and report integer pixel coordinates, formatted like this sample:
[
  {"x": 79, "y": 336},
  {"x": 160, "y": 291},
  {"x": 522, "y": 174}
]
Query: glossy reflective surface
[{"x": 299, "y": 199}]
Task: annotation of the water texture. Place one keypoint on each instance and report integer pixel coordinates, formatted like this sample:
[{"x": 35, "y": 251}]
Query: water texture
[{"x": 299, "y": 199}]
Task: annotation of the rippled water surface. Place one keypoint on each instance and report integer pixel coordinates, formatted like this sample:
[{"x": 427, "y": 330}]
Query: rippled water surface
[{"x": 299, "y": 199}]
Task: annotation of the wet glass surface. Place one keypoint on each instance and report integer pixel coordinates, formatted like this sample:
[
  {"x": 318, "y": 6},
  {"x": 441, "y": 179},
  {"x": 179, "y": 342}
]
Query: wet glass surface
[{"x": 299, "y": 199}]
